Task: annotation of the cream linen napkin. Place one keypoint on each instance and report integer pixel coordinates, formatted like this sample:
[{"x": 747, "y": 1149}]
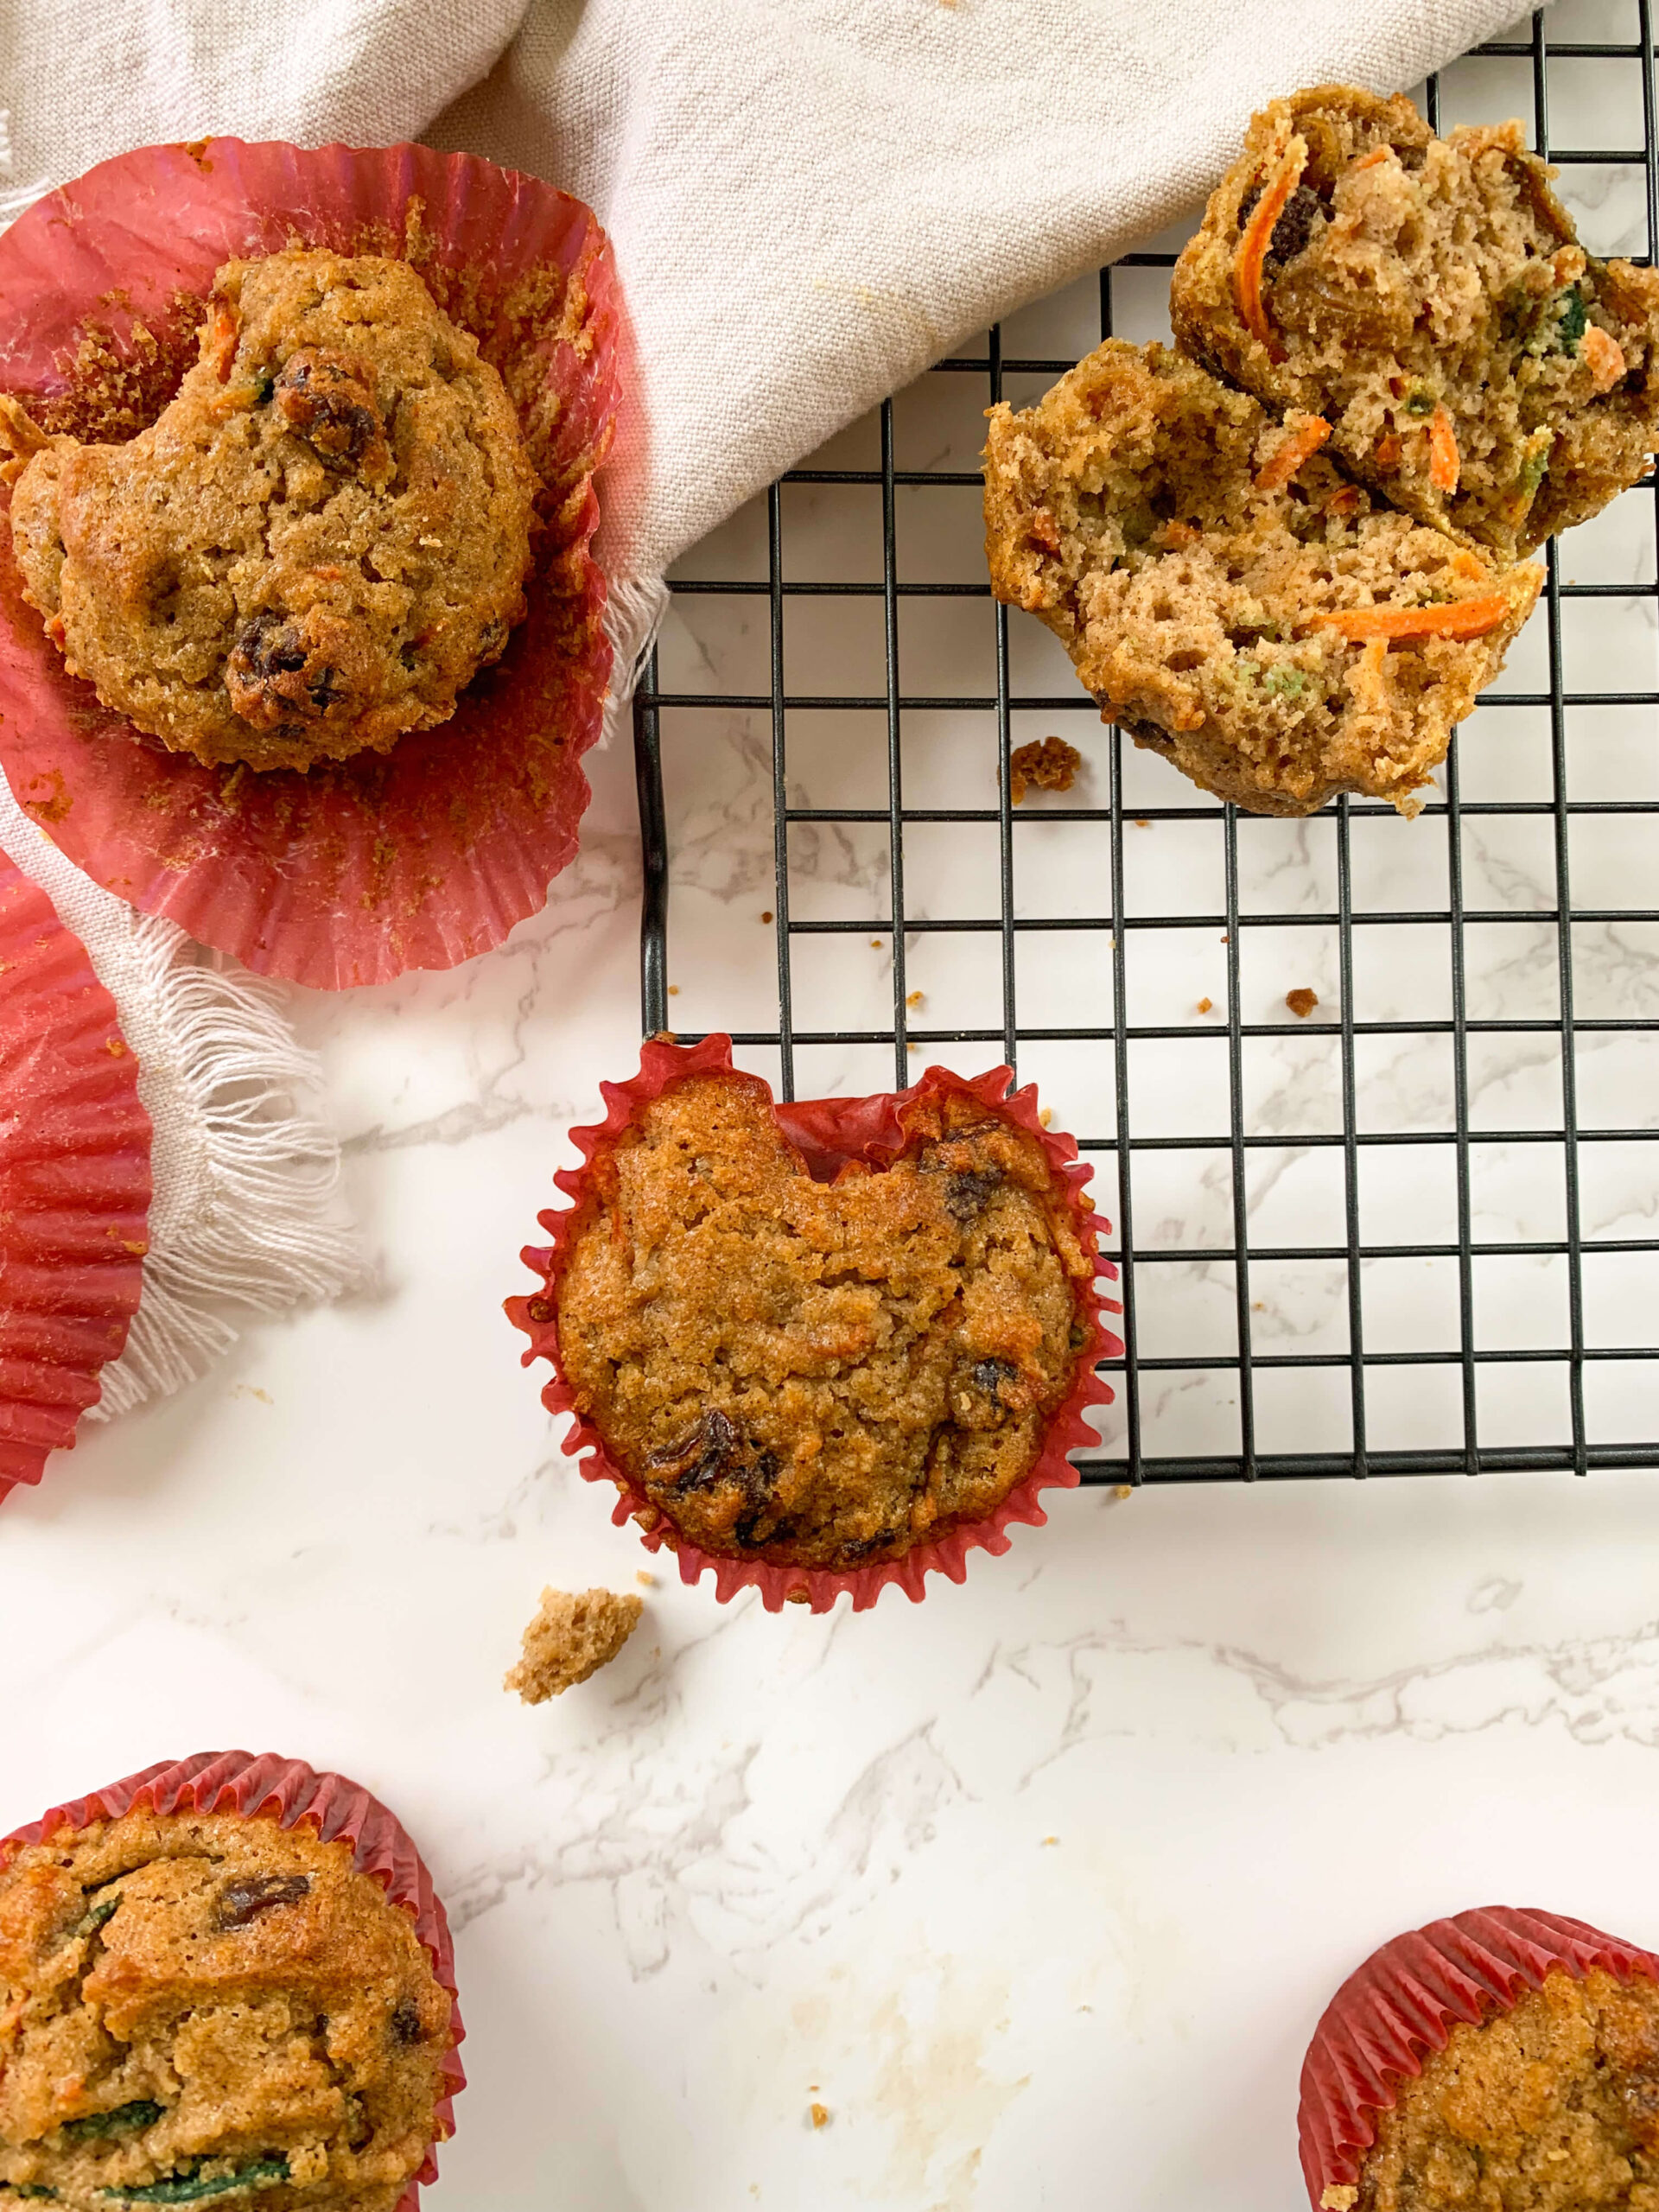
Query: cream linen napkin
[{"x": 810, "y": 199}]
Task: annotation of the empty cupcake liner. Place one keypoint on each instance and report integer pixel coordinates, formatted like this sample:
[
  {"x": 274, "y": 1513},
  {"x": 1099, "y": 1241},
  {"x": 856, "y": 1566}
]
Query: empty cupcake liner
[
  {"x": 1404, "y": 2002},
  {"x": 827, "y": 1132},
  {"x": 421, "y": 857},
  {"x": 293, "y": 1796},
  {"x": 75, "y": 1182}
]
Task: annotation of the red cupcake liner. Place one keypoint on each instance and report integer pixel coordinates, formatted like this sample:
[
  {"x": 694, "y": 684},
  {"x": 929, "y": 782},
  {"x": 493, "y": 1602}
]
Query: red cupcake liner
[
  {"x": 357, "y": 871},
  {"x": 75, "y": 1182},
  {"x": 827, "y": 1132},
  {"x": 293, "y": 1796},
  {"x": 1404, "y": 2002}
]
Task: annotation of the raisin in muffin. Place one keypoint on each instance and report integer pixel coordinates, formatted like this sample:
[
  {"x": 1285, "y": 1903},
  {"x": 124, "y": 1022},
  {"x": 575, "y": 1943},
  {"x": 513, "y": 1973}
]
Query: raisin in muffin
[
  {"x": 321, "y": 541},
  {"x": 1553, "y": 2106},
  {"x": 813, "y": 1373},
  {"x": 1230, "y": 597},
  {"x": 197, "y": 2006},
  {"x": 1429, "y": 299}
]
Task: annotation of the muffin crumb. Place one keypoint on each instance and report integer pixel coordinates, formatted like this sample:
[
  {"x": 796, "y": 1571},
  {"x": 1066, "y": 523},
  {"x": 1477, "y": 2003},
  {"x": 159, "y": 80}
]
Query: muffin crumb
[
  {"x": 570, "y": 1638},
  {"x": 1049, "y": 763},
  {"x": 1301, "y": 1001}
]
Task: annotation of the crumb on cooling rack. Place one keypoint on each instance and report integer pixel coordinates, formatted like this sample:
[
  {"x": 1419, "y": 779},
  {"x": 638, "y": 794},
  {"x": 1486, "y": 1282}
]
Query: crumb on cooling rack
[
  {"x": 1206, "y": 1006},
  {"x": 1049, "y": 763},
  {"x": 1301, "y": 1002},
  {"x": 570, "y": 1638}
]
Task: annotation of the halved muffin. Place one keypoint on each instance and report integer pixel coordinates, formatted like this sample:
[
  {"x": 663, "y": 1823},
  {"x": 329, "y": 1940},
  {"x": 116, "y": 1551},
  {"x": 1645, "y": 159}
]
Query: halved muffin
[
  {"x": 1429, "y": 299},
  {"x": 1229, "y": 596}
]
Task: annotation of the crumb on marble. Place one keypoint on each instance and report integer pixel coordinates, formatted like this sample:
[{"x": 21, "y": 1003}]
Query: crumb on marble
[
  {"x": 644, "y": 1575},
  {"x": 1049, "y": 763},
  {"x": 876, "y": 944},
  {"x": 1206, "y": 1006},
  {"x": 1141, "y": 823},
  {"x": 570, "y": 1638},
  {"x": 765, "y": 915},
  {"x": 916, "y": 998},
  {"x": 1049, "y": 1839},
  {"x": 1045, "y": 1116},
  {"x": 820, "y": 2115},
  {"x": 1125, "y": 1490},
  {"x": 1301, "y": 1002},
  {"x": 673, "y": 990}
]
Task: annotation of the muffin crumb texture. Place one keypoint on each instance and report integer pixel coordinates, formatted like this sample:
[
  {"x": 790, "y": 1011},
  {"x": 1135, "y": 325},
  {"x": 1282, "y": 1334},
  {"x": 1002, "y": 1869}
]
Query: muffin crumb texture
[
  {"x": 1551, "y": 2107},
  {"x": 820, "y": 1374},
  {"x": 1229, "y": 597},
  {"x": 1428, "y": 299},
  {"x": 319, "y": 543},
  {"x": 571, "y": 1638},
  {"x": 204, "y": 2008}
]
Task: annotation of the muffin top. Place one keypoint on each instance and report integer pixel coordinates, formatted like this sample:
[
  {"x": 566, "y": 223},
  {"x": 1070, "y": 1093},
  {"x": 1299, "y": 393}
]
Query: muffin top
[
  {"x": 818, "y": 1374},
  {"x": 199, "y": 2006},
  {"x": 1553, "y": 2106},
  {"x": 319, "y": 542}
]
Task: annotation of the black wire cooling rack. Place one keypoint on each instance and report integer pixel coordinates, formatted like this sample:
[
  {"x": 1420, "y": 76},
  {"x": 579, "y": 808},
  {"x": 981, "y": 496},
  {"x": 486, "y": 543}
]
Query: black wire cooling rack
[{"x": 1586, "y": 808}]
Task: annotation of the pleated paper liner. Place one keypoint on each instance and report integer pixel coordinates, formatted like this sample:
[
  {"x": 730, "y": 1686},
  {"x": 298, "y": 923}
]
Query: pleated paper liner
[
  {"x": 293, "y": 1796},
  {"x": 421, "y": 857},
  {"x": 1404, "y": 2002},
  {"x": 827, "y": 1132},
  {"x": 75, "y": 1182}
]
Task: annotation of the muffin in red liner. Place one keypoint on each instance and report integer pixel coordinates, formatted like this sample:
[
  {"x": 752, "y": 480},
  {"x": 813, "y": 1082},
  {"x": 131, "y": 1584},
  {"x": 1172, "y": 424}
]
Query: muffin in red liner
[
  {"x": 827, "y": 1133},
  {"x": 418, "y": 858},
  {"x": 1400, "y": 2007},
  {"x": 295, "y": 1796},
  {"x": 75, "y": 1181}
]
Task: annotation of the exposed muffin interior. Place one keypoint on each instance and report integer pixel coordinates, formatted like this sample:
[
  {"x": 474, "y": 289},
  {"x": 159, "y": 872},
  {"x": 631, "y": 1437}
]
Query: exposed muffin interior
[
  {"x": 572, "y": 1636},
  {"x": 319, "y": 543},
  {"x": 1428, "y": 298},
  {"x": 1230, "y": 597},
  {"x": 204, "y": 2008},
  {"x": 1551, "y": 2107},
  {"x": 820, "y": 1374}
]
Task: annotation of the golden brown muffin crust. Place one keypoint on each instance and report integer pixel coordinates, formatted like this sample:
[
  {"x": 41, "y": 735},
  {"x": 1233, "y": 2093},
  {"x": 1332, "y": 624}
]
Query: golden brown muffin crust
[
  {"x": 1212, "y": 575},
  {"x": 1430, "y": 299},
  {"x": 197, "y": 2008},
  {"x": 818, "y": 1373},
  {"x": 316, "y": 547},
  {"x": 1551, "y": 2107}
]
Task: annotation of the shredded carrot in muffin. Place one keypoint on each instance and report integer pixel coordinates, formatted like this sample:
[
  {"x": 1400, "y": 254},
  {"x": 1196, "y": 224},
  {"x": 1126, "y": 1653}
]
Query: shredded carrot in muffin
[
  {"x": 1258, "y": 238},
  {"x": 1301, "y": 445},
  {"x": 1465, "y": 618},
  {"x": 1445, "y": 466}
]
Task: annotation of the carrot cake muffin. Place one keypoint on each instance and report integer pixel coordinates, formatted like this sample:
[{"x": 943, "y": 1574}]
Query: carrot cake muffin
[
  {"x": 1427, "y": 297},
  {"x": 1230, "y": 597},
  {"x": 1553, "y": 2106},
  {"x": 321, "y": 541},
  {"x": 820, "y": 1374},
  {"x": 570, "y": 1638},
  {"x": 197, "y": 2008}
]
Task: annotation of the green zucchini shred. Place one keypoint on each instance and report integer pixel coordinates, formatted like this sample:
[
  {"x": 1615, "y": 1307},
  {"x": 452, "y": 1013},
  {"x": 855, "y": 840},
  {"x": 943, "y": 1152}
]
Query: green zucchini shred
[
  {"x": 124, "y": 2120},
  {"x": 198, "y": 2188},
  {"x": 101, "y": 1914},
  {"x": 1287, "y": 681},
  {"x": 1572, "y": 320}
]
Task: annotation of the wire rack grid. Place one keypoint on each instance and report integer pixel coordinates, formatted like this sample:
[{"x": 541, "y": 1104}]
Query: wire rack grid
[{"x": 1522, "y": 893}]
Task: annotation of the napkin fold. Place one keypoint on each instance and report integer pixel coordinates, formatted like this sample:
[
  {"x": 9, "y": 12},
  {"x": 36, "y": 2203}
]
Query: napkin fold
[{"x": 810, "y": 203}]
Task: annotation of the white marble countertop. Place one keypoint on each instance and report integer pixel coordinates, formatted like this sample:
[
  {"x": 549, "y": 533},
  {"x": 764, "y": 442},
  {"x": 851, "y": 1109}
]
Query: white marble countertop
[{"x": 1038, "y": 1888}]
